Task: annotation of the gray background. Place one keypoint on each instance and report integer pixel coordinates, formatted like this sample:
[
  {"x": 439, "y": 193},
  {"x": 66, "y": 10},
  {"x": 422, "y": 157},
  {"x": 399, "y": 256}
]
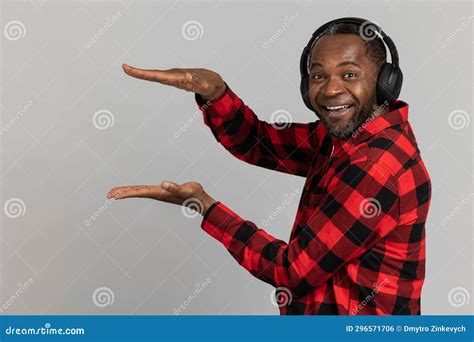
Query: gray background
[{"x": 147, "y": 253}]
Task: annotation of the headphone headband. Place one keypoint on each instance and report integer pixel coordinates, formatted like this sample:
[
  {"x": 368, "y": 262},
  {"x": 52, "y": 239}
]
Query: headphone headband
[
  {"x": 390, "y": 77},
  {"x": 348, "y": 20}
]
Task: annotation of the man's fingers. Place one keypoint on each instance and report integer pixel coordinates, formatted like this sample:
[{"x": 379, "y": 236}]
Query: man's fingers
[
  {"x": 186, "y": 79},
  {"x": 167, "y": 77},
  {"x": 147, "y": 191},
  {"x": 122, "y": 188},
  {"x": 161, "y": 76},
  {"x": 130, "y": 191},
  {"x": 144, "y": 191}
]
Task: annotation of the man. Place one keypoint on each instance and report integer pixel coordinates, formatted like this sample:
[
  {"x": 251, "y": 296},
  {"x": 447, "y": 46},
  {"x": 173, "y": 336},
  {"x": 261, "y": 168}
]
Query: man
[{"x": 358, "y": 242}]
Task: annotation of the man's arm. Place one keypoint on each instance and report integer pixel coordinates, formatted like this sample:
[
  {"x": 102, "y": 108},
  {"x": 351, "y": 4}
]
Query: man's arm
[
  {"x": 289, "y": 148},
  {"x": 360, "y": 208}
]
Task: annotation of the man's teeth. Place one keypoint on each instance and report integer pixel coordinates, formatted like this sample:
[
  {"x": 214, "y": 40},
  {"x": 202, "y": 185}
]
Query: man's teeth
[{"x": 337, "y": 107}]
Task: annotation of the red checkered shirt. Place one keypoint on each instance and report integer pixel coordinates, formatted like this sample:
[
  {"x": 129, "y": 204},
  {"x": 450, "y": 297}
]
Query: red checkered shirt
[{"x": 357, "y": 245}]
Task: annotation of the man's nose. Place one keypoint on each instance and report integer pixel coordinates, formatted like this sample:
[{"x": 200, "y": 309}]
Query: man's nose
[{"x": 332, "y": 87}]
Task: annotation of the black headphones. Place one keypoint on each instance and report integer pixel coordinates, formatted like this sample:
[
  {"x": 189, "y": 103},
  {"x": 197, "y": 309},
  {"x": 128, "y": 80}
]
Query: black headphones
[{"x": 390, "y": 78}]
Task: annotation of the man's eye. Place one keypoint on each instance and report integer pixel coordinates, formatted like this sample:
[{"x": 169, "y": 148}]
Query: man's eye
[
  {"x": 318, "y": 76},
  {"x": 350, "y": 75}
]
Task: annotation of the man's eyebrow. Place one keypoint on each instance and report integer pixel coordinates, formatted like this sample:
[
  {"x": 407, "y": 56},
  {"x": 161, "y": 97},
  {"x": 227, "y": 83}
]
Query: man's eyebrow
[
  {"x": 314, "y": 64},
  {"x": 317, "y": 64},
  {"x": 347, "y": 63}
]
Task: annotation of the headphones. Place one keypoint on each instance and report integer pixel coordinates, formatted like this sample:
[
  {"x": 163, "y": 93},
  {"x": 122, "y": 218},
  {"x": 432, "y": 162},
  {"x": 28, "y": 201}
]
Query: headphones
[{"x": 390, "y": 77}]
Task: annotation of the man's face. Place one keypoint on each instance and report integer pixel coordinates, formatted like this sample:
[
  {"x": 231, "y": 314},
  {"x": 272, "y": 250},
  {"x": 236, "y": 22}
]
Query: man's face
[{"x": 342, "y": 75}]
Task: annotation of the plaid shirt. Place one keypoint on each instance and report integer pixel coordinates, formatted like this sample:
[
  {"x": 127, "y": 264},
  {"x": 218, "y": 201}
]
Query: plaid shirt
[{"x": 357, "y": 245}]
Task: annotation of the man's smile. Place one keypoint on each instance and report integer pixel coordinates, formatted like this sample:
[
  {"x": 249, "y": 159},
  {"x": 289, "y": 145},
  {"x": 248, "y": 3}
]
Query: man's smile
[{"x": 339, "y": 110}]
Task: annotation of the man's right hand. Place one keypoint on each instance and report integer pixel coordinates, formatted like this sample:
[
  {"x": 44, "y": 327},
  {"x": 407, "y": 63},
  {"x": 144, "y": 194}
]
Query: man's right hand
[{"x": 206, "y": 83}]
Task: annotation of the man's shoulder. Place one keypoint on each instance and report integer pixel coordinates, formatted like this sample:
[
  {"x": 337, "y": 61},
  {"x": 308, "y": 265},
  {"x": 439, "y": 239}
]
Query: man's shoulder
[{"x": 395, "y": 149}]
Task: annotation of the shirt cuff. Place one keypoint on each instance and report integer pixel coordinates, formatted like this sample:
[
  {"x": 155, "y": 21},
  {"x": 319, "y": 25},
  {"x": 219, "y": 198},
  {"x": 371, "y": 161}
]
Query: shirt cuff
[
  {"x": 200, "y": 101},
  {"x": 219, "y": 221}
]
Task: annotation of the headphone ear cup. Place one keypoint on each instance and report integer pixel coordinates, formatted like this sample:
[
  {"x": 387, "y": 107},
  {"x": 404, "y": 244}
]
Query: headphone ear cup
[
  {"x": 304, "y": 88},
  {"x": 389, "y": 83}
]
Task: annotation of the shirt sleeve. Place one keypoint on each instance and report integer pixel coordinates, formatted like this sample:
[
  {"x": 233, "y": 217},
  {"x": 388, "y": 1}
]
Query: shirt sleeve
[
  {"x": 360, "y": 208},
  {"x": 287, "y": 147}
]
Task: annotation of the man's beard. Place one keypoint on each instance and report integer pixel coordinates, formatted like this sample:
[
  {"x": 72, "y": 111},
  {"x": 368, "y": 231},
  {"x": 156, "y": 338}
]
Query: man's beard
[{"x": 344, "y": 130}]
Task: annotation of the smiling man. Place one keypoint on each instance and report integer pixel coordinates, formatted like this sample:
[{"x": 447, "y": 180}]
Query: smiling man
[
  {"x": 357, "y": 245},
  {"x": 343, "y": 77}
]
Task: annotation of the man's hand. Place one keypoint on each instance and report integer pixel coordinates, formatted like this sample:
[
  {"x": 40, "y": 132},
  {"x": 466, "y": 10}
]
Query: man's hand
[
  {"x": 206, "y": 83},
  {"x": 190, "y": 194}
]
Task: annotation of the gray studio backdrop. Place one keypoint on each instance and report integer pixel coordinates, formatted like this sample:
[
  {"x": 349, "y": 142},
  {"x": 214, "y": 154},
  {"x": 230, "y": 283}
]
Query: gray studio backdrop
[{"x": 74, "y": 125}]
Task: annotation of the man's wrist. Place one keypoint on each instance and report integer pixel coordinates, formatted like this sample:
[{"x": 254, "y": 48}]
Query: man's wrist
[
  {"x": 216, "y": 95},
  {"x": 207, "y": 201}
]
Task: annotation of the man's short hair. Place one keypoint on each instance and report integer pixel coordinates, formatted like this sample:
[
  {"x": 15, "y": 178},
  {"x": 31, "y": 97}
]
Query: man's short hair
[{"x": 375, "y": 48}]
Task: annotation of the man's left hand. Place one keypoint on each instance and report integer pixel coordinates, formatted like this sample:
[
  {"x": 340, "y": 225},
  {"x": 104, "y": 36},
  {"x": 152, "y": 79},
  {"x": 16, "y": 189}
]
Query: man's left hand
[{"x": 190, "y": 194}]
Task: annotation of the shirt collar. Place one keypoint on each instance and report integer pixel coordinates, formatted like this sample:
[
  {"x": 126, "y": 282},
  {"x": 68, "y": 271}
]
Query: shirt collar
[{"x": 398, "y": 113}]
